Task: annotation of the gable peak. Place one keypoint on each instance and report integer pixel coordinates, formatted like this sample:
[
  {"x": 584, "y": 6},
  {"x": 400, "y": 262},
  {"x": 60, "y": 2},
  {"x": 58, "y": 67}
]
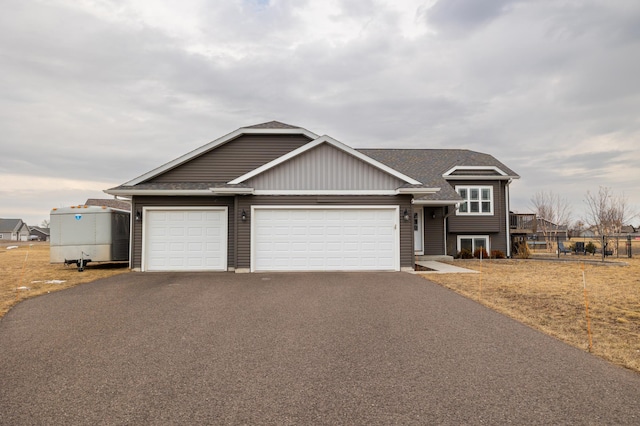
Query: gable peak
[{"x": 272, "y": 125}]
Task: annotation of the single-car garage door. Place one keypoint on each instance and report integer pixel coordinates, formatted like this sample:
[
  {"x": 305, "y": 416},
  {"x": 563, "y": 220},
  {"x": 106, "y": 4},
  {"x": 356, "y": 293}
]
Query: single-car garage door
[
  {"x": 325, "y": 239},
  {"x": 185, "y": 239}
]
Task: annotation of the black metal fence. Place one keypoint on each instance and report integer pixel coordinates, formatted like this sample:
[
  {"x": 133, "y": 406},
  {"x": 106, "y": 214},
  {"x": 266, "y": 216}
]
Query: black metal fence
[{"x": 618, "y": 246}]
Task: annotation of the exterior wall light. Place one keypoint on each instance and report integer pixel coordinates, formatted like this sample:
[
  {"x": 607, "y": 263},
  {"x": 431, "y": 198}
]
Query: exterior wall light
[
  {"x": 138, "y": 216},
  {"x": 243, "y": 216},
  {"x": 405, "y": 215}
]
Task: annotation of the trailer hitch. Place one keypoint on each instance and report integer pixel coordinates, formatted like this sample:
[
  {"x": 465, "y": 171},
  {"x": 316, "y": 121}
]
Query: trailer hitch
[{"x": 80, "y": 263}]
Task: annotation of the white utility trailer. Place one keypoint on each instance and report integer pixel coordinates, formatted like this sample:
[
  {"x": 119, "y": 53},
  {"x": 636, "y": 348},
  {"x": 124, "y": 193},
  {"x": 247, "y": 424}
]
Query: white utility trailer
[{"x": 83, "y": 234}]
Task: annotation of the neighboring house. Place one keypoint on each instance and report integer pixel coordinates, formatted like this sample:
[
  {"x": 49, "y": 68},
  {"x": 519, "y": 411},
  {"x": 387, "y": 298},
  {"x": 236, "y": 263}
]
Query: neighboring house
[
  {"x": 13, "y": 230},
  {"x": 547, "y": 232},
  {"x": 276, "y": 197},
  {"x": 588, "y": 233},
  {"x": 41, "y": 234},
  {"x": 592, "y": 232}
]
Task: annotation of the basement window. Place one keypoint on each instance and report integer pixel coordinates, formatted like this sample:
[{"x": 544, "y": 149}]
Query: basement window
[{"x": 473, "y": 242}]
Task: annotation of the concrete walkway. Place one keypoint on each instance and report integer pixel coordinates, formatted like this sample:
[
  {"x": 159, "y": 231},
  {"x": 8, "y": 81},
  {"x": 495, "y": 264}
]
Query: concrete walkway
[{"x": 442, "y": 268}]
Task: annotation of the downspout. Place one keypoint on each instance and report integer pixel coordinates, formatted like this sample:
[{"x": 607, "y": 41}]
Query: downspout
[{"x": 508, "y": 223}]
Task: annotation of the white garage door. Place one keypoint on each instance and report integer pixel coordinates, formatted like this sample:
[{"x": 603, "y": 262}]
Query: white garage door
[
  {"x": 185, "y": 239},
  {"x": 325, "y": 239}
]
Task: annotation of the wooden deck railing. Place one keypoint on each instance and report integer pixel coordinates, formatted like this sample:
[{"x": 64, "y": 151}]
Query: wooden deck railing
[{"x": 523, "y": 223}]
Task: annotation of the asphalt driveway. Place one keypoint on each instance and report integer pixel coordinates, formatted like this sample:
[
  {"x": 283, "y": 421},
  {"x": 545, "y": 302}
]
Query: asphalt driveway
[{"x": 332, "y": 348}]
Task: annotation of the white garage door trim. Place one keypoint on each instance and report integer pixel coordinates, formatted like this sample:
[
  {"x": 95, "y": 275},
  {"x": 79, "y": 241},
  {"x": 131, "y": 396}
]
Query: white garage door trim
[
  {"x": 222, "y": 242},
  {"x": 392, "y": 254}
]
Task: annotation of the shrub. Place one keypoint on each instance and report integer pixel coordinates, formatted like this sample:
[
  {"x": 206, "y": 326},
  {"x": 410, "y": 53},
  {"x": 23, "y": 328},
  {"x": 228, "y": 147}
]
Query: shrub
[
  {"x": 522, "y": 251},
  {"x": 497, "y": 254},
  {"x": 464, "y": 254},
  {"x": 480, "y": 251},
  {"x": 590, "y": 247}
]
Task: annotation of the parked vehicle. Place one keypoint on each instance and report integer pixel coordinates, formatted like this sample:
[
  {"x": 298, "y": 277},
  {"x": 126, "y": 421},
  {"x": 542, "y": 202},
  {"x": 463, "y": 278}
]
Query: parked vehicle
[{"x": 83, "y": 234}]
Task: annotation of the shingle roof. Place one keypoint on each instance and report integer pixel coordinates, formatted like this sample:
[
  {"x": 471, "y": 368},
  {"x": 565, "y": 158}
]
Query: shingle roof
[
  {"x": 109, "y": 202},
  {"x": 272, "y": 125},
  {"x": 177, "y": 186},
  {"x": 429, "y": 165},
  {"x": 45, "y": 231},
  {"x": 10, "y": 225}
]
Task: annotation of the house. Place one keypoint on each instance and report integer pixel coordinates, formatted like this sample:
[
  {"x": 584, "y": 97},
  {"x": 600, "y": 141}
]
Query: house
[
  {"x": 13, "y": 230},
  {"x": 546, "y": 233},
  {"x": 39, "y": 233},
  {"x": 277, "y": 197}
]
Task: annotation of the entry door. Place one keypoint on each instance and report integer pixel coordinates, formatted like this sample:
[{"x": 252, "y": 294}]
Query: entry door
[{"x": 418, "y": 230}]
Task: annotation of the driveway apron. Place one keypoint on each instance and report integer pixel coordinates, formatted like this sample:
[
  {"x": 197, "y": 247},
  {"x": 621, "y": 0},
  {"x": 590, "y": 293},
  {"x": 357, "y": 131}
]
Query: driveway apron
[{"x": 294, "y": 348}]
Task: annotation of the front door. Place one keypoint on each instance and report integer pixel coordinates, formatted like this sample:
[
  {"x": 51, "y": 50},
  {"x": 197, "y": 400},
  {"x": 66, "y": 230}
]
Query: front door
[{"x": 418, "y": 231}]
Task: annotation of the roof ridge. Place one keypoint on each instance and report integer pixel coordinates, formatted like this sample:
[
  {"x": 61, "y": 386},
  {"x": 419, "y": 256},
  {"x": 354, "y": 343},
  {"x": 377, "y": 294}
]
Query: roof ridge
[{"x": 272, "y": 125}]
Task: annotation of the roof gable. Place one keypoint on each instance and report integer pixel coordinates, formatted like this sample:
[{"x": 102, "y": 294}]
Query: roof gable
[
  {"x": 322, "y": 168},
  {"x": 271, "y": 128},
  {"x": 344, "y": 149},
  {"x": 430, "y": 166}
]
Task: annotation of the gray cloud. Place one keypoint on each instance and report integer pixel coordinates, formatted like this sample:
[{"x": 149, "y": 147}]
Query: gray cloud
[
  {"x": 109, "y": 95},
  {"x": 458, "y": 17}
]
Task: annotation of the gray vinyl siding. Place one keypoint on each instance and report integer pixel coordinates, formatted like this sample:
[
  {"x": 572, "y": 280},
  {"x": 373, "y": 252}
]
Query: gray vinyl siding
[
  {"x": 494, "y": 226},
  {"x": 139, "y": 202},
  {"x": 244, "y": 228},
  {"x": 462, "y": 224},
  {"x": 433, "y": 231},
  {"x": 325, "y": 168},
  {"x": 233, "y": 159}
]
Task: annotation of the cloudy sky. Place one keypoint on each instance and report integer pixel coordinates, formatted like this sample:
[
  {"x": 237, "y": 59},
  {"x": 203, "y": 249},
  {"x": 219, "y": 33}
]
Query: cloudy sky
[{"x": 96, "y": 92}]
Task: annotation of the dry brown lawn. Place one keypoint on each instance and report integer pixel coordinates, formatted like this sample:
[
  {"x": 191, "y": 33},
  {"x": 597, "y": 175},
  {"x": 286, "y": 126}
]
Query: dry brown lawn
[
  {"x": 549, "y": 295},
  {"x": 26, "y": 272}
]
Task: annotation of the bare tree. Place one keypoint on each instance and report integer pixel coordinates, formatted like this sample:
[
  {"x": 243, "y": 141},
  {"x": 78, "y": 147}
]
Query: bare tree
[
  {"x": 44, "y": 224},
  {"x": 607, "y": 212},
  {"x": 553, "y": 214}
]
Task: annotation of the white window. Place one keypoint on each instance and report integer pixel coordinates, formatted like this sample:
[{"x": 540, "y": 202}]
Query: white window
[
  {"x": 477, "y": 200},
  {"x": 473, "y": 242}
]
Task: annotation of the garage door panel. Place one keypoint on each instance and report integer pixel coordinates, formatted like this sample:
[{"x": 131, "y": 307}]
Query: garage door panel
[
  {"x": 325, "y": 239},
  {"x": 191, "y": 239},
  {"x": 174, "y": 216},
  {"x": 195, "y": 231}
]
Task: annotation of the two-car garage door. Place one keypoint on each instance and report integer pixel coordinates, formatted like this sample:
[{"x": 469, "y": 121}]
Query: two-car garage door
[{"x": 325, "y": 239}]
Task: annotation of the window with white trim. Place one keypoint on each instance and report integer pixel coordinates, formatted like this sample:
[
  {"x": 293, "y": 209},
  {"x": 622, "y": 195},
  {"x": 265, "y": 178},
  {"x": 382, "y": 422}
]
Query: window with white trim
[
  {"x": 477, "y": 200},
  {"x": 473, "y": 242}
]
